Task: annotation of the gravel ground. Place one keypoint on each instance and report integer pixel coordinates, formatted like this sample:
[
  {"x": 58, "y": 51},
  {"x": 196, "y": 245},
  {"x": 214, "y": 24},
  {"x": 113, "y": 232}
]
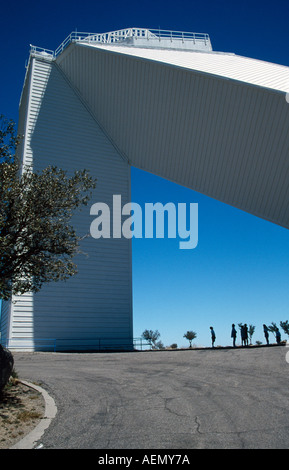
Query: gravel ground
[{"x": 21, "y": 409}]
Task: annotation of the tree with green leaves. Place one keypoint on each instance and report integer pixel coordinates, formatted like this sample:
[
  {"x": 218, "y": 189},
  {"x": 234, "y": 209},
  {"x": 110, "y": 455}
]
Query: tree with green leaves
[
  {"x": 151, "y": 337},
  {"x": 285, "y": 326},
  {"x": 190, "y": 336},
  {"x": 251, "y": 331},
  {"x": 159, "y": 345},
  {"x": 273, "y": 328},
  {"x": 37, "y": 241}
]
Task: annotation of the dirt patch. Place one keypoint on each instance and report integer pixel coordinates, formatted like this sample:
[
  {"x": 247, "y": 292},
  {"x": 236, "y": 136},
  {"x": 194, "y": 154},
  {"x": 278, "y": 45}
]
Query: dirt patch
[{"x": 21, "y": 409}]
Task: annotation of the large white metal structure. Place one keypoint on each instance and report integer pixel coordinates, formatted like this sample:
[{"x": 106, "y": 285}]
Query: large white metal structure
[{"x": 161, "y": 101}]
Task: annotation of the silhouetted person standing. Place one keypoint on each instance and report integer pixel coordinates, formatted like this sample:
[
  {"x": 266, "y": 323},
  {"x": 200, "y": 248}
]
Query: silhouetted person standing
[
  {"x": 246, "y": 334},
  {"x": 243, "y": 335},
  {"x": 234, "y": 335},
  {"x": 213, "y": 336},
  {"x": 266, "y": 333},
  {"x": 278, "y": 336}
]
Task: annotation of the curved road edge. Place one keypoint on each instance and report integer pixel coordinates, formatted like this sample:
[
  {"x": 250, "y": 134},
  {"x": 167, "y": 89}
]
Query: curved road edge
[{"x": 31, "y": 439}]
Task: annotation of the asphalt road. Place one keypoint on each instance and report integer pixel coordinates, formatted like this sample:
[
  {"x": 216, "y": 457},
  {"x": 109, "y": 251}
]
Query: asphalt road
[{"x": 205, "y": 399}]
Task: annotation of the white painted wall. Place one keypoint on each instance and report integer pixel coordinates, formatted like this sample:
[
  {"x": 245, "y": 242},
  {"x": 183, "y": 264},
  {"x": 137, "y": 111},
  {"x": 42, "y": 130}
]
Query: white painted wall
[{"x": 96, "y": 304}]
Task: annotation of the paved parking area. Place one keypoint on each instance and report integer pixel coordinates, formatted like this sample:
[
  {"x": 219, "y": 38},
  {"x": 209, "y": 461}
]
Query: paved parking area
[{"x": 207, "y": 399}]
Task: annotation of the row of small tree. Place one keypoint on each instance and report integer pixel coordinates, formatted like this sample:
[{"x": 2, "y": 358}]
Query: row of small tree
[{"x": 152, "y": 337}]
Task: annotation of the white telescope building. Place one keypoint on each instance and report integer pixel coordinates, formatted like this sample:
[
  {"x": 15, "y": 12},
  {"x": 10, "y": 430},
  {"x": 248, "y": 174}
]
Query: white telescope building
[{"x": 161, "y": 101}]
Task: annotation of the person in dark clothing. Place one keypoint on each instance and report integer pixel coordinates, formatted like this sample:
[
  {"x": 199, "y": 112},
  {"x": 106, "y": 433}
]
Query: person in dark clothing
[
  {"x": 266, "y": 334},
  {"x": 242, "y": 328},
  {"x": 234, "y": 335},
  {"x": 213, "y": 336},
  {"x": 246, "y": 334},
  {"x": 278, "y": 336}
]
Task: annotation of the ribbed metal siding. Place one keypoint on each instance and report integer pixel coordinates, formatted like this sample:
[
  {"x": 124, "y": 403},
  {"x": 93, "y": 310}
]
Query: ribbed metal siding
[
  {"x": 96, "y": 303},
  {"x": 226, "y": 139},
  {"x": 224, "y": 65}
]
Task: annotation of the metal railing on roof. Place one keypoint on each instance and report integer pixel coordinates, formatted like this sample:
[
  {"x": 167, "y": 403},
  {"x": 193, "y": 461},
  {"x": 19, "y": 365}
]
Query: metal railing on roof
[
  {"x": 122, "y": 35},
  {"x": 35, "y": 50}
]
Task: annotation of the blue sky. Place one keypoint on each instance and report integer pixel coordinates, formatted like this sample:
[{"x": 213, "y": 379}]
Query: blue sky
[{"x": 239, "y": 271}]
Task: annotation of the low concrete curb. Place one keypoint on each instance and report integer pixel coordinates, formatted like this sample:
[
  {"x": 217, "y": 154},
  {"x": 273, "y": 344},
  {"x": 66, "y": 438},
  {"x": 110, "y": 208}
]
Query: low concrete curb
[{"x": 31, "y": 439}]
